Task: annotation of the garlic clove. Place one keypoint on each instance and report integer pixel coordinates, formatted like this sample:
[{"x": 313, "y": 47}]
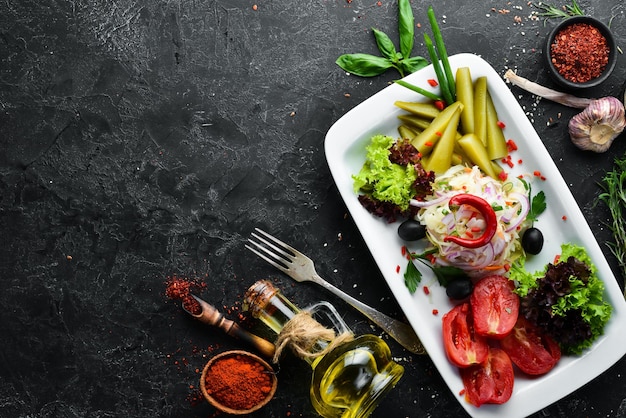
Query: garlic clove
[{"x": 595, "y": 128}]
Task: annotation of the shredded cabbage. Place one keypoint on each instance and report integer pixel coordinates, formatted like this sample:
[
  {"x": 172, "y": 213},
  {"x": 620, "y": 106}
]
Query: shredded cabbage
[{"x": 510, "y": 202}]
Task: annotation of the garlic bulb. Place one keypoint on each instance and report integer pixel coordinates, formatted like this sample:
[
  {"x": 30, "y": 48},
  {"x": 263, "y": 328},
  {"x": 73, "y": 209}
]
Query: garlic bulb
[{"x": 595, "y": 128}]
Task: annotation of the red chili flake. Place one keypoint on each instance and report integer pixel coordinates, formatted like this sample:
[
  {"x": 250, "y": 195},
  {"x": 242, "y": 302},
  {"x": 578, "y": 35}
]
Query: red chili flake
[
  {"x": 438, "y": 133},
  {"x": 397, "y": 269},
  {"x": 519, "y": 161},
  {"x": 511, "y": 145},
  {"x": 537, "y": 173},
  {"x": 431, "y": 258},
  {"x": 469, "y": 234},
  {"x": 503, "y": 175},
  {"x": 564, "y": 217},
  {"x": 462, "y": 392},
  {"x": 580, "y": 52},
  {"x": 475, "y": 228},
  {"x": 557, "y": 258},
  {"x": 501, "y": 124},
  {"x": 433, "y": 82},
  {"x": 435, "y": 312},
  {"x": 426, "y": 290},
  {"x": 542, "y": 178},
  {"x": 180, "y": 288},
  {"x": 404, "y": 250},
  {"x": 428, "y": 144},
  {"x": 507, "y": 267},
  {"x": 439, "y": 104}
]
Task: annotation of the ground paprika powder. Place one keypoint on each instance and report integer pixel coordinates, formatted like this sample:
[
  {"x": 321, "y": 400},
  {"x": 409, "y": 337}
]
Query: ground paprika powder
[
  {"x": 238, "y": 382},
  {"x": 580, "y": 52}
]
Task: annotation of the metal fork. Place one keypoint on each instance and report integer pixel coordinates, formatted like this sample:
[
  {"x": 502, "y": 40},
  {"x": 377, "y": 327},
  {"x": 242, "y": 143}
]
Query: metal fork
[{"x": 301, "y": 268}]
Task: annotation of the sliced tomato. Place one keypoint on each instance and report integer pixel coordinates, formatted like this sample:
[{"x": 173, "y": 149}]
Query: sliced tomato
[
  {"x": 495, "y": 306},
  {"x": 530, "y": 349},
  {"x": 463, "y": 347},
  {"x": 491, "y": 381}
]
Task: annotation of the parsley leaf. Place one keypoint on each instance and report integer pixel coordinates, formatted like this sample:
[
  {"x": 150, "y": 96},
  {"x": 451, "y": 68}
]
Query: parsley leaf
[
  {"x": 444, "y": 274},
  {"x": 537, "y": 206},
  {"x": 412, "y": 277}
]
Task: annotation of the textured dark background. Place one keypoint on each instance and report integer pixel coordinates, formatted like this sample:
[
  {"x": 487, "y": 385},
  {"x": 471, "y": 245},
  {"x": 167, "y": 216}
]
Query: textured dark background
[{"x": 142, "y": 139}]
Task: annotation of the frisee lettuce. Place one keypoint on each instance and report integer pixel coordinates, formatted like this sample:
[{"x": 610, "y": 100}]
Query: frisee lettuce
[{"x": 384, "y": 180}]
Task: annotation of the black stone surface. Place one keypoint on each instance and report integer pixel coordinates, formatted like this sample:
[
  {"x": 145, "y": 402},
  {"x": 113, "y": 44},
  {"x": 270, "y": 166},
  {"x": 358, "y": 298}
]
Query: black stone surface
[{"x": 146, "y": 139}]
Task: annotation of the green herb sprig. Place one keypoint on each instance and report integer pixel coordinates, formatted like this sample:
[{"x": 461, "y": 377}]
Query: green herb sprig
[
  {"x": 537, "y": 206},
  {"x": 553, "y": 12},
  {"x": 444, "y": 274},
  {"x": 614, "y": 196},
  {"x": 368, "y": 65}
]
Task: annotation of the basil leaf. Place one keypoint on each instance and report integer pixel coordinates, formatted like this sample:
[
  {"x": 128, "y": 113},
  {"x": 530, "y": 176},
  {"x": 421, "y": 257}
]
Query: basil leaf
[
  {"x": 410, "y": 65},
  {"x": 406, "y": 27},
  {"x": 385, "y": 45},
  {"x": 363, "y": 65}
]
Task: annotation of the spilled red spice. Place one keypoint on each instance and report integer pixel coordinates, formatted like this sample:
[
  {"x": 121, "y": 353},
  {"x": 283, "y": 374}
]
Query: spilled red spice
[
  {"x": 180, "y": 288},
  {"x": 580, "y": 52}
]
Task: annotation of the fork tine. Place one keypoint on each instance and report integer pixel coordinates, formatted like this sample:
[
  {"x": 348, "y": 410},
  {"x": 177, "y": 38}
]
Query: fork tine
[
  {"x": 266, "y": 258},
  {"x": 293, "y": 251},
  {"x": 270, "y": 252}
]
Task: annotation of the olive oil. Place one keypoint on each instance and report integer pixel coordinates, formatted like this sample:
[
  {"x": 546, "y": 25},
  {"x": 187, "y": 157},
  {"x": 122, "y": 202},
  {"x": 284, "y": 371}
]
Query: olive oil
[{"x": 348, "y": 381}]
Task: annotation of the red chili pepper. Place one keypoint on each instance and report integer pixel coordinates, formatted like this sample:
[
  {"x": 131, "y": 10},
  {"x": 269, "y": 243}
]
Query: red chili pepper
[
  {"x": 485, "y": 209},
  {"x": 433, "y": 82},
  {"x": 439, "y": 104}
]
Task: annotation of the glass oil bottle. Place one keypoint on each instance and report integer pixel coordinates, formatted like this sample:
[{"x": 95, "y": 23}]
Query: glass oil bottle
[{"x": 350, "y": 380}]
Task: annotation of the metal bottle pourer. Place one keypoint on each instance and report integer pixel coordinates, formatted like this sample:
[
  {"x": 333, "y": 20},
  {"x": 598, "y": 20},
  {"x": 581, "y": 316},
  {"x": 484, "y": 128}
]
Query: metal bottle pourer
[{"x": 211, "y": 316}]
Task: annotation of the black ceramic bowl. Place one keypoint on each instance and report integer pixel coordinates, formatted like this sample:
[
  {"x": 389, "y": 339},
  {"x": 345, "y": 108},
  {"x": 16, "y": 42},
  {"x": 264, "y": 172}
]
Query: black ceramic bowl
[{"x": 604, "y": 30}]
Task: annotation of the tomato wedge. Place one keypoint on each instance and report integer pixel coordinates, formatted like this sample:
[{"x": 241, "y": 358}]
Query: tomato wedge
[
  {"x": 490, "y": 382},
  {"x": 530, "y": 349},
  {"x": 463, "y": 347},
  {"x": 495, "y": 307}
]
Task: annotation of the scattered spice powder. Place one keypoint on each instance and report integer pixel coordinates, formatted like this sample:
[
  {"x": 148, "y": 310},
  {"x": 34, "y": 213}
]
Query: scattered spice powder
[
  {"x": 180, "y": 288},
  {"x": 580, "y": 52},
  {"x": 238, "y": 382}
]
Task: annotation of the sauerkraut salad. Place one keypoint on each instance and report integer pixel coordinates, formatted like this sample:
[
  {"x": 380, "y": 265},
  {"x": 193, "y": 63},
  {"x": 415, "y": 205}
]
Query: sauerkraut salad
[{"x": 510, "y": 202}]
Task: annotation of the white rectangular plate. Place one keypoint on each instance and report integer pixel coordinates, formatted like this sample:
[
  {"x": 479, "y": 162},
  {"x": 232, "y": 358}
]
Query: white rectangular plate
[{"x": 562, "y": 222}]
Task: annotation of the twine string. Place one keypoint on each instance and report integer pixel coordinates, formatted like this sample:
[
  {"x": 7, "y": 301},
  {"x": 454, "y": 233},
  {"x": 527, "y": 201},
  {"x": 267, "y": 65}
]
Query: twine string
[{"x": 302, "y": 332}]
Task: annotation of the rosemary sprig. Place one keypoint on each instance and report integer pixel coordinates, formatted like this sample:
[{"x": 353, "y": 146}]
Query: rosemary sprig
[
  {"x": 614, "y": 196},
  {"x": 553, "y": 12}
]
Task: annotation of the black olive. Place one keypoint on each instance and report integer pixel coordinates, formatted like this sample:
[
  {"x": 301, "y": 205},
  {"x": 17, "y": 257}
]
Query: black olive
[
  {"x": 532, "y": 241},
  {"x": 411, "y": 230},
  {"x": 459, "y": 288}
]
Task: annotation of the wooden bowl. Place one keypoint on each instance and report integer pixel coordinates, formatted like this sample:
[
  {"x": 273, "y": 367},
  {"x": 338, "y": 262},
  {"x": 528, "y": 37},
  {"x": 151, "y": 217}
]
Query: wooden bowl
[{"x": 213, "y": 397}]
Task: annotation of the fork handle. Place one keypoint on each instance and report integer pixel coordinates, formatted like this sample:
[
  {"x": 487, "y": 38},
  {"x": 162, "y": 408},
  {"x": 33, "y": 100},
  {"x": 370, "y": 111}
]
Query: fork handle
[{"x": 398, "y": 330}]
